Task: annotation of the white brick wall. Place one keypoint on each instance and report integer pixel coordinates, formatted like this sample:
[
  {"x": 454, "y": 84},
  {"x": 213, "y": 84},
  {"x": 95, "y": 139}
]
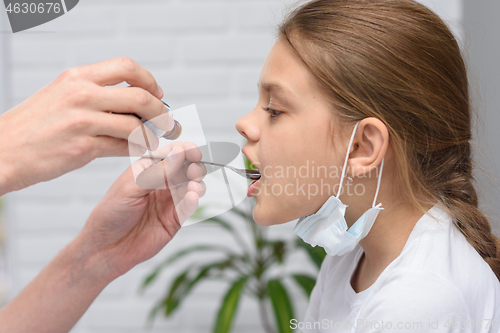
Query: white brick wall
[{"x": 207, "y": 53}]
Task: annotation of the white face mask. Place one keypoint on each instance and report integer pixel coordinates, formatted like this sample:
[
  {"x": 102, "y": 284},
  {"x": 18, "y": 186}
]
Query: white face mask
[{"x": 328, "y": 228}]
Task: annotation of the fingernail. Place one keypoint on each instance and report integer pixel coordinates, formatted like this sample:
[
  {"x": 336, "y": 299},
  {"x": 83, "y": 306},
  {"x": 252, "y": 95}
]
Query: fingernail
[
  {"x": 160, "y": 91},
  {"x": 201, "y": 169},
  {"x": 173, "y": 154}
]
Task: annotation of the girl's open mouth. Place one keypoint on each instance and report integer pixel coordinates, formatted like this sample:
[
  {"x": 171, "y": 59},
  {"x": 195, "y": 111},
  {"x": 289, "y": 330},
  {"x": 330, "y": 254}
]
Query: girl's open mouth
[{"x": 252, "y": 188}]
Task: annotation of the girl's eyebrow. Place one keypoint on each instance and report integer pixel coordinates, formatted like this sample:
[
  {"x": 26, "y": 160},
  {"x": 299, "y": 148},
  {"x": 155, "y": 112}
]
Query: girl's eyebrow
[{"x": 275, "y": 89}]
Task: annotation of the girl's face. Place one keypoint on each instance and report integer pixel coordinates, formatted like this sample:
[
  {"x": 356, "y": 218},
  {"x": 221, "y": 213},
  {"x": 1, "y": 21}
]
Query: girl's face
[{"x": 290, "y": 140}]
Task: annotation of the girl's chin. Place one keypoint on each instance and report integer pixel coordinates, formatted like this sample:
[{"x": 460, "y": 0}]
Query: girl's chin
[
  {"x": 260, "y": 217},
  {"x": 266, "y": 216}
]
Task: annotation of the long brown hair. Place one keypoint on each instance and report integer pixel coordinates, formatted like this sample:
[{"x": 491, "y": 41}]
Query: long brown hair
[{"x": 397, "y": 61}]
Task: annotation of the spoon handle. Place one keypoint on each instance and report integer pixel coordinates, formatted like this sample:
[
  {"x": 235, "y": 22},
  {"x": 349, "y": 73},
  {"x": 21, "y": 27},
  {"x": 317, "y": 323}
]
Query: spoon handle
[{"x": 249, "y": 174}]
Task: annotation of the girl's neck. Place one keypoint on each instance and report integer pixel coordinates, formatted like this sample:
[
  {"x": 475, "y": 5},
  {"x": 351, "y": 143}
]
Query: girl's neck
[{"x": 384, "y": 242}]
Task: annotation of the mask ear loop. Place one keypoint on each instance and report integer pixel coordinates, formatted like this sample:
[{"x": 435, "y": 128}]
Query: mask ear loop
[
  {"x": 378, "y": 183},
  {"x": 346, "y": 159}
]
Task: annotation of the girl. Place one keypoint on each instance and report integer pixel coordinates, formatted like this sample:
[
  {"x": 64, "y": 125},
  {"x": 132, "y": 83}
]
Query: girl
[{"x": 364, "y": 88}]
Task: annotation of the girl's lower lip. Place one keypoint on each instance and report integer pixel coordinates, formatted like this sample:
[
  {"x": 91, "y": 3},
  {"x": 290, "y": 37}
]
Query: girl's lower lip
[{"x": 252, "y": 188}]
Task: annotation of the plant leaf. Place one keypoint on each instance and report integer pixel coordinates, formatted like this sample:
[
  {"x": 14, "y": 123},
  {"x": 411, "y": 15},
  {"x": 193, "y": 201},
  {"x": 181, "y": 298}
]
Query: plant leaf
[
  {"x": 248, "y": 164},
  {"x": 226, "y": 225},
  {"x": 306, "y": 282},
  {"x": 276, "y": 254},
  {"x": 229, "y": 306},
  {"x": 317, "y": 254},
  {"x": 282, "y": 305},
  {"x": 152, "y": 314},
  {"x": 222, "y": 223},
  {"x": 245, "y": 215},
  {"x": 279, "y": 250},
  {"x": 185, "y": 282},
  {"x": 151, "y": 277},
  {"x": 205, "y": 271},
  {"x": 171, "y": 302}
]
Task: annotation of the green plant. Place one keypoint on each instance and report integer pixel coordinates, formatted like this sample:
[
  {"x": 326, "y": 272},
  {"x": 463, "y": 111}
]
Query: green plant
[{"x": 246, "y": 268}]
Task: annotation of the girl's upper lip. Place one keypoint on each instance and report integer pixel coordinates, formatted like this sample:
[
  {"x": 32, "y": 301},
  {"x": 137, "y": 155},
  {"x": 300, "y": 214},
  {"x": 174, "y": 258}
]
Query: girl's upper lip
[{"x": 249, "y": 159}]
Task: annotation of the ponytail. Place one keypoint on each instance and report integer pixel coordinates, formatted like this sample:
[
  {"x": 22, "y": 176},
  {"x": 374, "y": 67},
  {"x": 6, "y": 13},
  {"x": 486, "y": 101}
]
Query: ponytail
[{"x": 460, "y": 199}]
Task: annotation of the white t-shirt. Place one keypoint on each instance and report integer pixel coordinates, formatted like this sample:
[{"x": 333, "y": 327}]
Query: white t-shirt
[{"x": 439, "y": 283}]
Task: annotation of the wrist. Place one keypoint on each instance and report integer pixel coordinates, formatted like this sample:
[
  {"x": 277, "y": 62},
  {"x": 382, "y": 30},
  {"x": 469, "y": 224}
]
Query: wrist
[
  {"x": 58, "y": 297},
  {"x": 4, "y": 170},
  {"x": 7, "y": 173},
  {"x": 5, "y": 179},
  {"x": 87, "y": 264}
]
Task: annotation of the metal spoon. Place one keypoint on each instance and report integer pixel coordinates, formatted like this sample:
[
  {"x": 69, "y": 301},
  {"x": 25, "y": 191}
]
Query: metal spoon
[{"x": 249, "y": 174}]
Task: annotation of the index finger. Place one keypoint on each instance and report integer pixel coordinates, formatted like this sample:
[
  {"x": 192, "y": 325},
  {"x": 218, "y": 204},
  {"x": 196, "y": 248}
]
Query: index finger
[
  {"x": 190, "y": 151},
  {"x": 118, "y": 70}
]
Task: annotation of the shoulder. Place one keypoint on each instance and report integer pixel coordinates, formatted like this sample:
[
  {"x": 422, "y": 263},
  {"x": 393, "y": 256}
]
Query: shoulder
[
  {"x": 416, "y": 296},
  {"x": 421, "y": 287},
  {"x": 437, "y": 247}
]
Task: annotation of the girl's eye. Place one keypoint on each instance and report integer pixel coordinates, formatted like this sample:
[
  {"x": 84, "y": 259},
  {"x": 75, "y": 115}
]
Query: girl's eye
[{"x": 272, "y": 112}]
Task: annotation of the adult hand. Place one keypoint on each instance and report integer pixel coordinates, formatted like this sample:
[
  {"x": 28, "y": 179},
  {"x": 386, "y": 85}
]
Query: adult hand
[
  {"x": 132, "y": 223},
  {"x": 70, "y": 122}
]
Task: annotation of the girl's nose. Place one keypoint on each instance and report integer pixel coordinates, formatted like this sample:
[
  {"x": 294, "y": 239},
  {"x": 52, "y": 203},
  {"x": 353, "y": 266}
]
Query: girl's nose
[{"x": 247, "y": 127}]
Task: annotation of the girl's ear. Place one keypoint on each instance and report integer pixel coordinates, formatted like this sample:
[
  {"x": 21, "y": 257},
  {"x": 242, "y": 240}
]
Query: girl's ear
[{"x": 369, "y": 146}]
